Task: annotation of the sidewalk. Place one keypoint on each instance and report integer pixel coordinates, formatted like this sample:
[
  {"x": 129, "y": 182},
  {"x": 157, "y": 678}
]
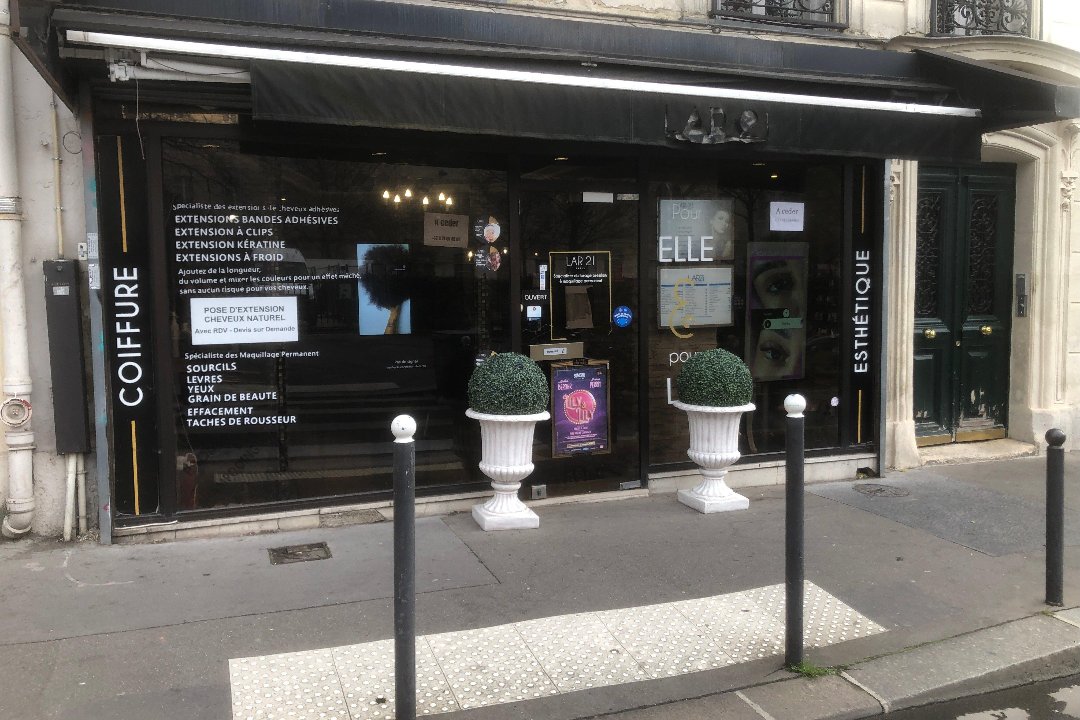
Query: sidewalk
[{"x": 947, "y": 560}]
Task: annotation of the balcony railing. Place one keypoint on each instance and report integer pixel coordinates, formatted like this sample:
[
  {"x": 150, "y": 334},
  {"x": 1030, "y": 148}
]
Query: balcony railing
[
  {"x": 981, "y": 17},
  {"x": 783, "y": 12}
]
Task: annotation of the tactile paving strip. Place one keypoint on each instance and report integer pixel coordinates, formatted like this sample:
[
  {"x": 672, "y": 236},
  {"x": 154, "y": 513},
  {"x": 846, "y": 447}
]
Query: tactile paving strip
[
  {"x": 367, "y": 679},
  {"x": 489, "y": 666},
  {"x": 750, "y": 625},
  {"x": 663, "y": 640},
  {"x": 578, "y": 652},
  {"x": 290, "y": 686},
  {"x": 744, "y": 627},
  {"x": 537, "y": 658},
  {"x": 828, "y": 620}
]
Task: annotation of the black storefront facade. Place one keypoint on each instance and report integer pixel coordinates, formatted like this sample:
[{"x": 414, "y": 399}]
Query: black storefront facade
[{"x": 311, "y": 220}]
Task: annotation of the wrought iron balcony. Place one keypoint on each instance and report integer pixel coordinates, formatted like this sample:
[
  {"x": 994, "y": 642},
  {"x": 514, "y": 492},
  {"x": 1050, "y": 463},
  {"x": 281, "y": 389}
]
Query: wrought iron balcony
[
  {"x": 981, "y": 17},
  {"x": 784, "y": 12}
]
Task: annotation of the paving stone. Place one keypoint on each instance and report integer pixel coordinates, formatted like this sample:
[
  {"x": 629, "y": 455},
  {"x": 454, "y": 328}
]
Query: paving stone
[
  {"x": 727, "y": 706},
  {"x": 903, "y": 678},
  {"x": 819, "y": 698}
]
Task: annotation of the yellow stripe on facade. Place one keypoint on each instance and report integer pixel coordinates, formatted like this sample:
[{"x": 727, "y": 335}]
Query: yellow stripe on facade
[
  {"x": 862, "y": 222},
  {"x": 858, "y": 421},
  {"x": 123, "y": 205},
  {"x": 135, "y": 466}
]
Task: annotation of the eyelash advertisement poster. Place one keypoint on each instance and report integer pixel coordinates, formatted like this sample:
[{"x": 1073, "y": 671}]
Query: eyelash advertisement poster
[{"x": 776, "y": 309}]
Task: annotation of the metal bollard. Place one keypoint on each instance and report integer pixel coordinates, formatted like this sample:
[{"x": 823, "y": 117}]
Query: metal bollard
[
  {"x": 794, "y": 571},
  {"x": 404, "y": 427},
  {"x": 1055, "y": 517}
]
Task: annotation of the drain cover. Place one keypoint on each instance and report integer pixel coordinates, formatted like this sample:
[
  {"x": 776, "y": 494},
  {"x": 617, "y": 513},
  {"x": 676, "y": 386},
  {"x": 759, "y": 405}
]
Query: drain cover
[
  {"x": 299, "y": 553},
  {"x": 879, "y": 490}
]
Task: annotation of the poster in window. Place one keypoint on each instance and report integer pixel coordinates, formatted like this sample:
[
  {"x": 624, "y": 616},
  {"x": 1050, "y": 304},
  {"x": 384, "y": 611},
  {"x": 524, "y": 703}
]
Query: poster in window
[
  {"x": 696, "y": 230},
  {"x": 776, "y": 310},
  {"x": 384, "y": 289},
  {"x": 580, "y": 418},
  {"x": 486, "y": 254},
  {"x": 580, "y": 297}
]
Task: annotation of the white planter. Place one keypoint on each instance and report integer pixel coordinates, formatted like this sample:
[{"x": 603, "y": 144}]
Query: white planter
[
  {"x": 506, "y": 458},
  {"x": 714, "y": 445}
]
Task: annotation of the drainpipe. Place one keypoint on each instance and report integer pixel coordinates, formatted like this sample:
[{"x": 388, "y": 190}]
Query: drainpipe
[{"x": 16, "y": 386}]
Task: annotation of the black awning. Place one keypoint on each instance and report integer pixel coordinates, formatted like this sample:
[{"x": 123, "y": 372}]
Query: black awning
[
  {"x": 883, "y": 81},
  {"x": 289, "y": 92},
  {"x": 1007, "y": 98}
]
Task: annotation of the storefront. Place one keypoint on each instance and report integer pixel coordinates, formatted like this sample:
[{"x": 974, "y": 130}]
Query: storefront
[{"x": 287, "y": 262}]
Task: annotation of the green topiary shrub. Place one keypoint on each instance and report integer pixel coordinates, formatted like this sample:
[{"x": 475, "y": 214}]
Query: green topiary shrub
[
  {"x": 508, "y": 384},
  {"x": 715, "y": 378}
]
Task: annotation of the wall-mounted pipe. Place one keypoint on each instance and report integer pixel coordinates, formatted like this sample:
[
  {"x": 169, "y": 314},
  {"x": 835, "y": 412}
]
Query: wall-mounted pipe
[
  {"x": 80, "y": 477},
  {"x": 58, "y": 207},
  {"x": 16, "y": 384},
  {"x": 69, "y": 496}
]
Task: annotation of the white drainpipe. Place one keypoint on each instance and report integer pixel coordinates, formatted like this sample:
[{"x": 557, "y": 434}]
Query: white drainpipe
[{"x": 15, "y": 409}]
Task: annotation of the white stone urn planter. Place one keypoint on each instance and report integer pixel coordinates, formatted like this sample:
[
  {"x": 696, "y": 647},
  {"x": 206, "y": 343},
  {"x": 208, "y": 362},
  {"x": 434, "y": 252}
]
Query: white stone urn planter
[
  {"x": 714, "y": 445},
  {"x": 506, "y": 458}
]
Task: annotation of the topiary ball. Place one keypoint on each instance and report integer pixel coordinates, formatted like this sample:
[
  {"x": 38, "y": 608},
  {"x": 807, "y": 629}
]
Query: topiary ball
[
  {"x": 508, "y": 384},
  {"x": 715, "y": 378}
]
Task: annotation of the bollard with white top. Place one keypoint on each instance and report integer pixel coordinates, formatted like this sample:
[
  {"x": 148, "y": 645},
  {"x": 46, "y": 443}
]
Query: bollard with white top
[
  {"x": 404, "y": 427},
  {"x": 794, "y": 571}
]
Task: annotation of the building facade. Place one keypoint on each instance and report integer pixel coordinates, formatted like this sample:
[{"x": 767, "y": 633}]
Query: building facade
[{"x": 258, "y": 234}]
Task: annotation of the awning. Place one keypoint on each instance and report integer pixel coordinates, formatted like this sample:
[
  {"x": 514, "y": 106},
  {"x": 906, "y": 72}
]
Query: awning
[
  {"x": 653, "y": 114},
  {"x": 1008, "y": 98},
  {"x": 489, "y": 72}
]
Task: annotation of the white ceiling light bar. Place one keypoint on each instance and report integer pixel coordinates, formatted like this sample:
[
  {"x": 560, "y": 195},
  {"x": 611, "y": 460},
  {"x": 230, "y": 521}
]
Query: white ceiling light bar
[{"x": 244, "y": 52}]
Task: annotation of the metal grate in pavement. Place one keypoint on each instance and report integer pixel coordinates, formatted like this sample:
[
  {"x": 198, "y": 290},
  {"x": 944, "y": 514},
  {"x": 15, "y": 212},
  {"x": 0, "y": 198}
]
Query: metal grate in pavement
[{"x": 299, "y": 553}]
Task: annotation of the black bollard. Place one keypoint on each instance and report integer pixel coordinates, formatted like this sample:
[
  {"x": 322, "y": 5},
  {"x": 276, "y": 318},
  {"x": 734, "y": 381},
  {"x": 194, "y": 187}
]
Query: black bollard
[
  {"x": 1055, "y": 517},
  {"x": 403, "y": 428},
  {"x": 794, "y": 571}
]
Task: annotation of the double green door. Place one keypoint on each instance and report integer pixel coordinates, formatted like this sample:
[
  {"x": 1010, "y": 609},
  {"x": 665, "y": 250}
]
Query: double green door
[{"x": 963, "y": 302}]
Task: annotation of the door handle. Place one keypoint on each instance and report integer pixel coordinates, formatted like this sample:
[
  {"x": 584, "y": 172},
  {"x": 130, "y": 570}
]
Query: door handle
[
  {"x": 986, "y": 330},
  {"x": 929, "y": 333}
]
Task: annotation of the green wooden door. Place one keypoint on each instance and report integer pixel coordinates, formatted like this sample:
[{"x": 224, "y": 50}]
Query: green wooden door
[{"x": 962, "y": 303}]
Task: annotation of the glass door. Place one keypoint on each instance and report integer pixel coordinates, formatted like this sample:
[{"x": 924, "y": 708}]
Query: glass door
[{"x": 580, "y": 321}]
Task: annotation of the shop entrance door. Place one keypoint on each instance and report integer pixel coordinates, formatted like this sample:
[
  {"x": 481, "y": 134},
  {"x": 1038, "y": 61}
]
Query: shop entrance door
[
  {"x": 579, "y": 320},
  {"x": 962, "y": 303}
]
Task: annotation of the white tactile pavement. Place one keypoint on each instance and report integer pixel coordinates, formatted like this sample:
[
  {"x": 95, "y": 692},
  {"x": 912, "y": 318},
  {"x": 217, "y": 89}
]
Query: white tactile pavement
[{"x": 536, "y": 658}]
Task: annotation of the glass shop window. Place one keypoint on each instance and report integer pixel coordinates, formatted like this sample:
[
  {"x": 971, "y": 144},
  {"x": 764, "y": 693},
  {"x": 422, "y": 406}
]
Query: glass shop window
[
  {"x": 311, "y": 301},
  {"x": 748, "y": 258}
]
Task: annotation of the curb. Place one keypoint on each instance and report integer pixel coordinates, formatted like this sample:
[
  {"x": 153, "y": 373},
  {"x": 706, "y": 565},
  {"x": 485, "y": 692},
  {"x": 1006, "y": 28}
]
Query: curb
[{"x": 1019, "y": 652}]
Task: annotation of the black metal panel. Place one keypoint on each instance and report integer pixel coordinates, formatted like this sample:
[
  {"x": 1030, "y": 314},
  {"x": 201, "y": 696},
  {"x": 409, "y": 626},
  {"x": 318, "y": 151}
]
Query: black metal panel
[
  {"x": 1008, "y": 98},
  {"x": 341, "y": 96},
  {"x": 64, "y": 317},
  {"x": 32, "y": 32}
]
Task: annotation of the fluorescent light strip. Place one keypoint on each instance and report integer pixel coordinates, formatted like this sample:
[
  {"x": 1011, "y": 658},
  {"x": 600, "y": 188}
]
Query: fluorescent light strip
[{"x": 243, "y": 52}]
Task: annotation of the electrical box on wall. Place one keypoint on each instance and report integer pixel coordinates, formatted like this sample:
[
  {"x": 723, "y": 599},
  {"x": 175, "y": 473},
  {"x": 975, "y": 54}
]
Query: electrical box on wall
[{"x": 64, "y": 317}]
